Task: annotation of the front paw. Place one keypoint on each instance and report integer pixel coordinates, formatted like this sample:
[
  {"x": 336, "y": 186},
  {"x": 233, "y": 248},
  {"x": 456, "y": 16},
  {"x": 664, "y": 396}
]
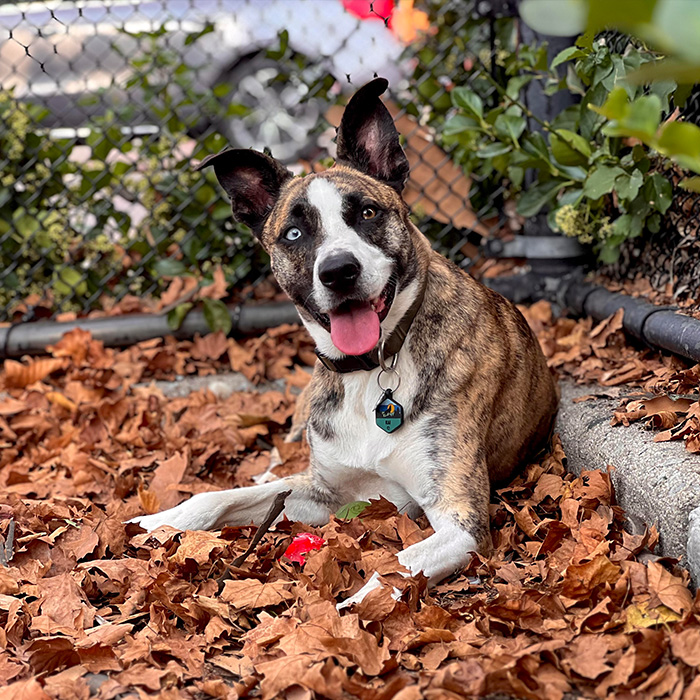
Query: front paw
[
  {"x": 153, "y": 522},
  {"x": 195, "y": 514}
]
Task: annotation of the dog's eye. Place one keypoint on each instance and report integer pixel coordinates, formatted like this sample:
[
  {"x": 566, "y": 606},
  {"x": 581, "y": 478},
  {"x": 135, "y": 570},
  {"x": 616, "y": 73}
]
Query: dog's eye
[
  {"x": 369, "y": 213},
  {"x": 291, "y": 234}
]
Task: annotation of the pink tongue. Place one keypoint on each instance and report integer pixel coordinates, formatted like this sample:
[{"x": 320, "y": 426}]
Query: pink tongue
[{"x": 355, "y": 331}]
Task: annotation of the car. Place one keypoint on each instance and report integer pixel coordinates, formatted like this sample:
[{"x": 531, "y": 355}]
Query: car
[{"x": 75, "y": 58}]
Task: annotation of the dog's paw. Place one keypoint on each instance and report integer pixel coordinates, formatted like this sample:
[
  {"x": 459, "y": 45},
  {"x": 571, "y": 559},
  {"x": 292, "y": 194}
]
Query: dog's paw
[
  {"x": 153, "y": 522},
  {"x": 371, "y": 585},
  {"x": 197, "y": 513}
]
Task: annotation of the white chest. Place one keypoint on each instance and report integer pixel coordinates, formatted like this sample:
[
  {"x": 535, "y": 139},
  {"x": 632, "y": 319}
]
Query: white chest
[{"x": 361, "y": 451}]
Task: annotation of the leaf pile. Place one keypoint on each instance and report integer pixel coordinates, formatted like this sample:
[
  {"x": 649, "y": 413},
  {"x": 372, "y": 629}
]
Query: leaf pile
[
  {"x": 667, "y": 398},
  {"x": 569, "y": 600}
]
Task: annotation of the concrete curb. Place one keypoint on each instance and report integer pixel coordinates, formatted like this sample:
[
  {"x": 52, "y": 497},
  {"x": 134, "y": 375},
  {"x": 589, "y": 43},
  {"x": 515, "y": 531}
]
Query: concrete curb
[
  {"x": 655, "y": 482},
  {"x": 221, "y": 385}
]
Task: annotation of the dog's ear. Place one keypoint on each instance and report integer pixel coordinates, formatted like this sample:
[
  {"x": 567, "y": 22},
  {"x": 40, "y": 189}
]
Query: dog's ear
[
  {"x": 252, "y": 181},
  {"x": 368, "y": 140}
]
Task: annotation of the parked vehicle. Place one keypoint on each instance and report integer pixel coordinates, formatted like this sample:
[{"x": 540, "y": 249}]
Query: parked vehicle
[{"x": 59, "y": 53}]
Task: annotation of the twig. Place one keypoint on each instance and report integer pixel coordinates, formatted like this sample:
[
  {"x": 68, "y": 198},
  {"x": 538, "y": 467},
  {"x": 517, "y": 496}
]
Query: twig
[
  {"x": 275, "y": 509},
  {"x": 8, "y": 551}
]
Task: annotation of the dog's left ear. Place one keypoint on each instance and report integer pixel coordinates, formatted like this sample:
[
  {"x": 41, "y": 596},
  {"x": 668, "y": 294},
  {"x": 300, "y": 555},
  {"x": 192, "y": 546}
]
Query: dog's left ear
[
  {"x": 252, "y": 181},
  {"x": 368, "y": 140}
]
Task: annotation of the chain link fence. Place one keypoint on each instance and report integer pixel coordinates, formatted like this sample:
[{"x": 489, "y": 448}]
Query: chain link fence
[{"x": 104, "y": 105}]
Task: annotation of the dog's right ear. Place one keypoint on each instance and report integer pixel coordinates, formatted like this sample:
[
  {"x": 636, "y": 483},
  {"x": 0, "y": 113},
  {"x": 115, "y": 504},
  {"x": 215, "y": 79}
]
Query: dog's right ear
[{"x": 252, "y": 181}]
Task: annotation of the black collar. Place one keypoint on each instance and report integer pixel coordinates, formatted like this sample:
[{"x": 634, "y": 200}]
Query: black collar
[{"x": 370, "y": 360}]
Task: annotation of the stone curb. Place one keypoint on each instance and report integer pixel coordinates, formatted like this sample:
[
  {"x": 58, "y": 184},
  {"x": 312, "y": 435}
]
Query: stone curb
[
  {"x": 221, "y": 385},
  {"x": 655, "y": 482}
]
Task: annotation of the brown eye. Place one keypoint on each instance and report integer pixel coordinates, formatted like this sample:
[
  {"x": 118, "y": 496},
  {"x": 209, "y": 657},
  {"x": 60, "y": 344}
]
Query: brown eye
[{"x": 369, "y": 213}]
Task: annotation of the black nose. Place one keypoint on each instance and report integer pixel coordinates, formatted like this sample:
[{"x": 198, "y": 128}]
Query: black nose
[{"x": 339, "y": 272}]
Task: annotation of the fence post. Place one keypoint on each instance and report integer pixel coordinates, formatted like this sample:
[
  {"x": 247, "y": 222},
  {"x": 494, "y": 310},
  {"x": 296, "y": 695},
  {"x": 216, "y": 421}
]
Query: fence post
[{"x": 546, "y": 108}]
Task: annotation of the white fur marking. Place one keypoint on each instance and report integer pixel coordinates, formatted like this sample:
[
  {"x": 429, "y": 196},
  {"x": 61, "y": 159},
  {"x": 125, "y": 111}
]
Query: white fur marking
[
  {"x": 339, "y": 237},
  {"x": 376, "y": 265}
]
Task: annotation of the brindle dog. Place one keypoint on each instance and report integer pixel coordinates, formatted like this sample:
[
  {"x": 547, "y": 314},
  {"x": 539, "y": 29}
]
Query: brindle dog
[{"x": 475, "y": 392}]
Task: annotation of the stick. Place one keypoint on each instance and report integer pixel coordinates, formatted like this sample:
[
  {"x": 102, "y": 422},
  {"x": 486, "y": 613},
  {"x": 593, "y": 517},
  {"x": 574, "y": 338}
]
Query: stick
[
  {"x": 275, "y": 509},
  {"x": 7, "y": 547}
]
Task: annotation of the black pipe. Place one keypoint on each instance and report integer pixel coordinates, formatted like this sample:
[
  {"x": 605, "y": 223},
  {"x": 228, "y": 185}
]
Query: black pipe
[
  {"x": 660, "y": 327},
  {"x": 31, "y": 338}
]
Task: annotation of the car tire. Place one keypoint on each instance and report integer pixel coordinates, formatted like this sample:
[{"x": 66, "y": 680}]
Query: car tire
[{"x": 279, "y": 116}]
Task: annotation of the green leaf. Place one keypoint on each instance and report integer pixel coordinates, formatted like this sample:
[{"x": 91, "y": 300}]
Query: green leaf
[
  {"x": 644, "y": 116},
  {"x": 658, "y": 192},
  {"x": 167, "y": 267},
  {"x": 277, "y": 54},
  {"x": 567, "y": 54},
  {"x": 691, "y": 183},
  {"x": 569, "y": 148},
  {"x": 536, "y": 197},
  {"x": 680, "y": 138},
  {"x": 469, "y": 101},
  {"x": 609, "y": 253},
  {"x": 510, "y": 126},
  {"x": 493, "y": 149},
  {"x": 627, "y": 185},
  {"x": 616, "y": 106},
  {"x": 191, "y": 38},
  {"x": 558, "y": 18},
  {"x": 351, "y": 510},
  {"x": 25, "y": 224},
  {"x": 221, "y": 90},
  {"x": 217, "y": 316},
  {"x": 674, "y": 28},
  {"x": 641, "y": 119},
  {"x": 666, "y": 69},
  {"x": 458, "y": 125},
  {"x": 601, "y": 181},
  {"x": 177, "y": 315},
  {"x": 516, "y": 84}
]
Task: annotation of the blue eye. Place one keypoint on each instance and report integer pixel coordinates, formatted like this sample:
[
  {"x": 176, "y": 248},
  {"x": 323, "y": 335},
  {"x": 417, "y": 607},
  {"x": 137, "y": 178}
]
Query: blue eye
[{"x": 292, "y": 234}]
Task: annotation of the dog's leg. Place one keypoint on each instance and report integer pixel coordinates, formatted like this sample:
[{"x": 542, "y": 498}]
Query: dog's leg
[
  {"x": 307, "y": 503},
  {"x": 461, "y": 525}
]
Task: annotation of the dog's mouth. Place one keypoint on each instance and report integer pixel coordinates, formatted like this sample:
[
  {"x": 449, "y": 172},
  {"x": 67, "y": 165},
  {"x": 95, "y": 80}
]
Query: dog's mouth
[{"x": 355, "y": 325}]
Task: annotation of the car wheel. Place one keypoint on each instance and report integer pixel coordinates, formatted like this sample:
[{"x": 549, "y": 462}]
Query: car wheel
[{"x": 280, "y": 116}]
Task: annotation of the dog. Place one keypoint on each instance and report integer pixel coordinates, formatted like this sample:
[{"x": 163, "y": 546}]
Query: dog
[{"x": 429, "y": 387}]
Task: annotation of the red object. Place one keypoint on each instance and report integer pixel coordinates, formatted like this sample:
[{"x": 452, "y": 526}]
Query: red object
[
  {"x": 301, "y": 545},
  {"x": 370, "y": 9}
]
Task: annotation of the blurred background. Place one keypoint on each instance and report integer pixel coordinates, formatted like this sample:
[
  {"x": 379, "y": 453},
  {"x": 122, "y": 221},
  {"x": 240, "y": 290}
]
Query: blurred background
[{"x": 105, "y": 106}]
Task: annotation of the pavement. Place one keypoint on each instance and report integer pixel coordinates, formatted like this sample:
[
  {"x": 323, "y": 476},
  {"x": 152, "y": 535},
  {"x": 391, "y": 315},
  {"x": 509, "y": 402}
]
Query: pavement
[{"x": 655, "y": 482}]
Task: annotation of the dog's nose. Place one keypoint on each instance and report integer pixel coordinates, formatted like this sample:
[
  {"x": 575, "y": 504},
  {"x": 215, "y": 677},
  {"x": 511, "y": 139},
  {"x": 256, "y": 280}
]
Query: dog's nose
[{"x": 339, "y": 272}]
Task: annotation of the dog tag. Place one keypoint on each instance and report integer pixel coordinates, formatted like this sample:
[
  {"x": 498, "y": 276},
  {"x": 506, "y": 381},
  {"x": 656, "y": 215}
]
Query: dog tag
[{"x": 389, "y": 413}]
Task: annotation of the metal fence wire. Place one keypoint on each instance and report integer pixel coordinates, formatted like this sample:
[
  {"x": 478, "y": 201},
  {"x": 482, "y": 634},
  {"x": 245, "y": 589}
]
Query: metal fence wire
[{"x": 104, "y": 105}]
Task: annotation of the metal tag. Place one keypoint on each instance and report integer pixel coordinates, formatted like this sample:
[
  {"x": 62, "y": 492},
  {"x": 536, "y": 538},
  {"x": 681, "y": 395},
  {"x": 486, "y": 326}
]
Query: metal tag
[{"x": 389, "y": 413}]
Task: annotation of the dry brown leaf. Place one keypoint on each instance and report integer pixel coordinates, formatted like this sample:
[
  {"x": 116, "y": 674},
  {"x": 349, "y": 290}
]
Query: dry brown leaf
[
  {"x": 18, "y": 375},
  {"x": 252, "y": 594},
  {"x": 149, "y": 501}
]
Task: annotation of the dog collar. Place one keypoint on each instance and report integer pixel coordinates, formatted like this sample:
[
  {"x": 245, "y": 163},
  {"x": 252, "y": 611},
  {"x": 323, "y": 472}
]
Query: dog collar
[{"x": 370, "y": 360}]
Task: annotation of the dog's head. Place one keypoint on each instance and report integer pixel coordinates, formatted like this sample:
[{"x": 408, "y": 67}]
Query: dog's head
[{"x": 340, "y": 242}]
